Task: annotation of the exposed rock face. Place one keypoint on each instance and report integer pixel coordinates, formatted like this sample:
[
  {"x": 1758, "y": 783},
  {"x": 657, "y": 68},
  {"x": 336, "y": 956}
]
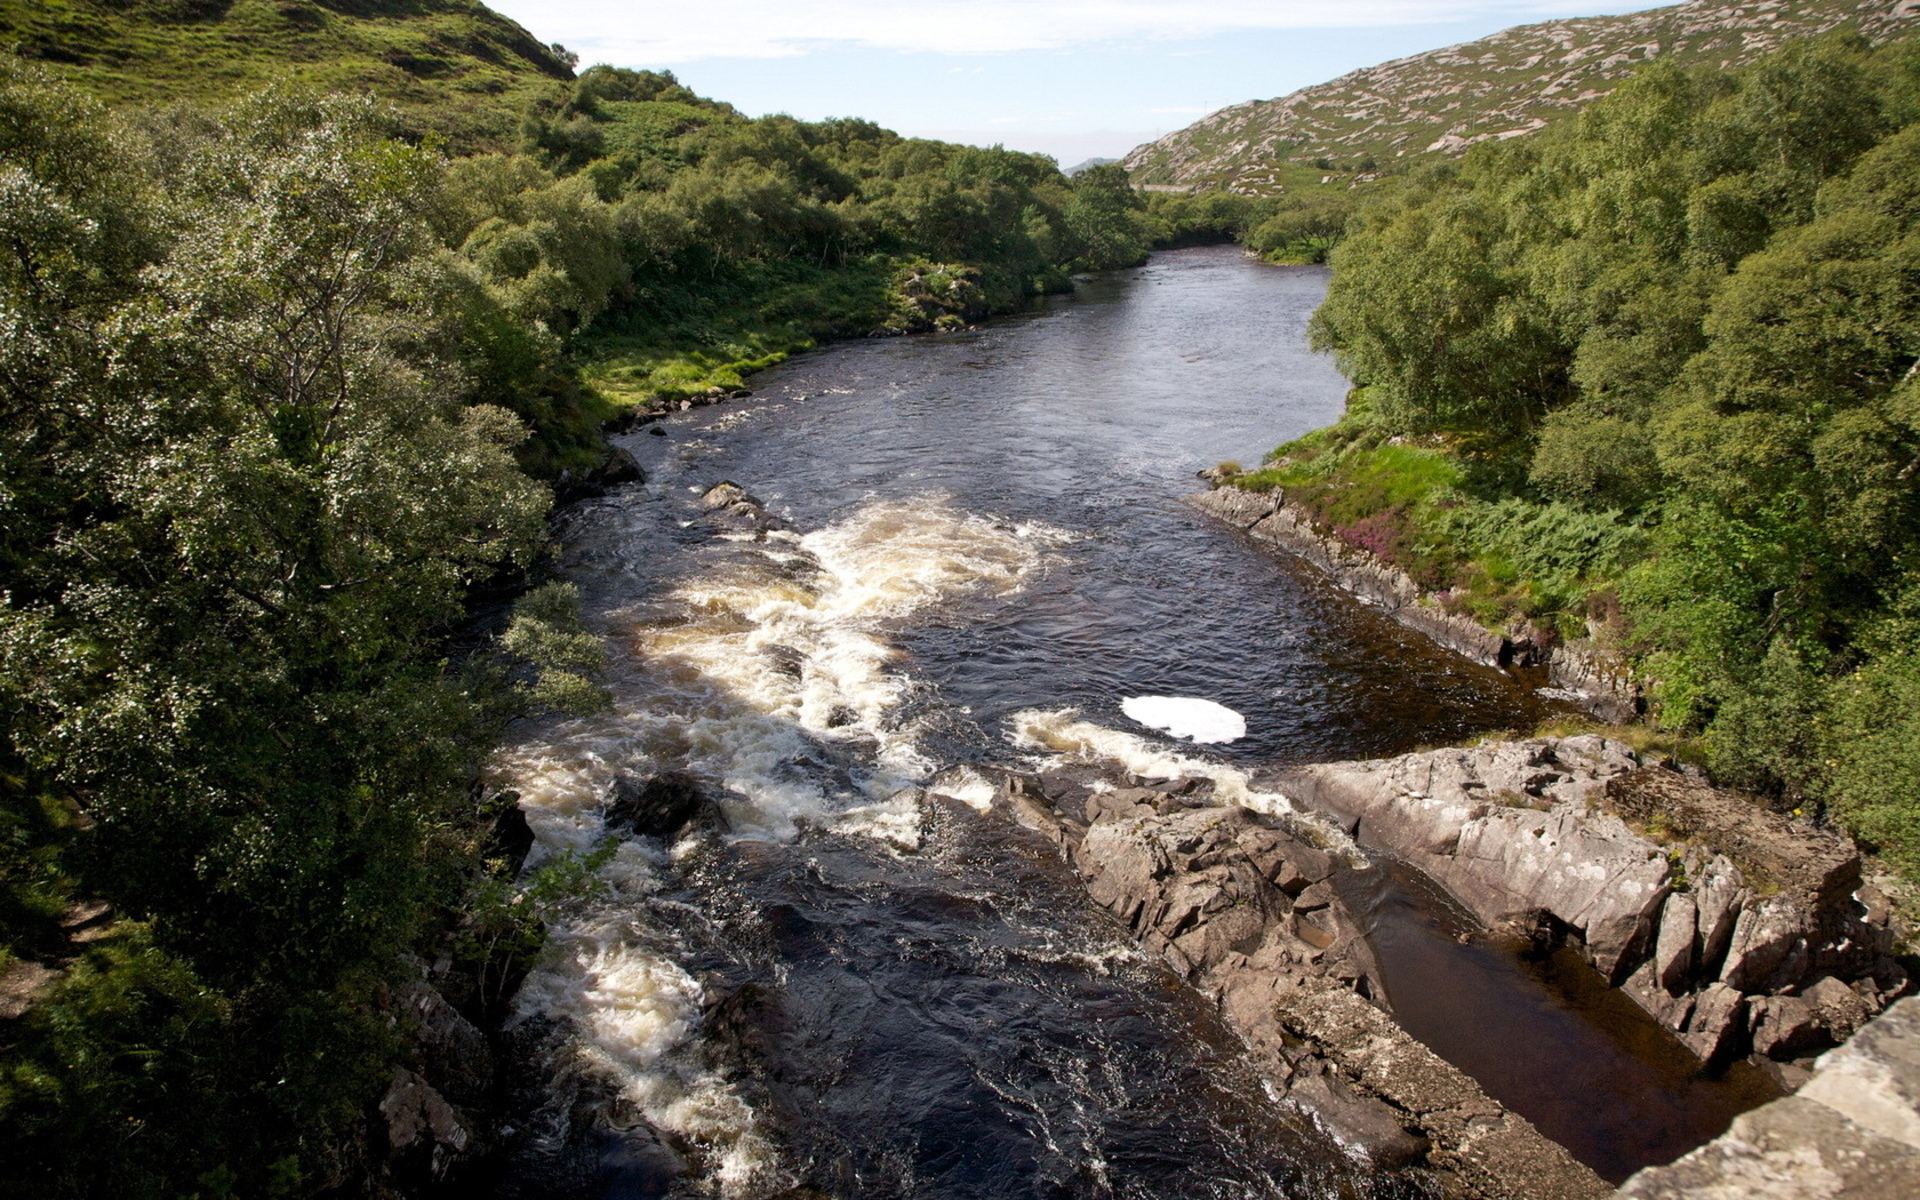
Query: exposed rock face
[
  {"x": 1735, "y": 927},
  {"x": 1579, "y": 667},
  {"x": 1506, "y": 85},
  {"x": 434, "y": 1118},
  {"x": 1246, "y": 908},
  {"x": 1851, "y": 1133}
]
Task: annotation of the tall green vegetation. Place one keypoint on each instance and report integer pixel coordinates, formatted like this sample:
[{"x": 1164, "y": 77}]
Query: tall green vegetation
[
  {"x": 1692, "y": 315},
  {"x": 278, "y": 384},
  {"x": 744, "y": 239},
  {"x": 247, "y": 474}
]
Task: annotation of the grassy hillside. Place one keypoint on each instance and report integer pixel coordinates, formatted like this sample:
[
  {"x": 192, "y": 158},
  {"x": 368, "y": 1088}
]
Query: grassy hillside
[
  {"x": 1502, "y": 86},
  {"x": 455, "y": 65}
]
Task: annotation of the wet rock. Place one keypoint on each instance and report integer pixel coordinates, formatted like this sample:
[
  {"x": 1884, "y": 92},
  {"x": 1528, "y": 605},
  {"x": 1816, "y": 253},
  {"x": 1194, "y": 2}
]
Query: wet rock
[
  {"x": 633, "y": 1164},
  {"x": 509, "y": 836},
  {"x": 1362, "y": 1124},
  {"x": 660, "y": 806},
  {"x": 427, "y": 1137},
  {"x": 731, "y": 507},
  {"x": 786, "y": 660}
]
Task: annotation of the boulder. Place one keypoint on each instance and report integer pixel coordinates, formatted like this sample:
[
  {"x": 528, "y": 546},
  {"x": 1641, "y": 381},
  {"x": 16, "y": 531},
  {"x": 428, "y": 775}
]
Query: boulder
[
  {"x": 1673, "y": 949},
  {"x": 660, "y": 806}
]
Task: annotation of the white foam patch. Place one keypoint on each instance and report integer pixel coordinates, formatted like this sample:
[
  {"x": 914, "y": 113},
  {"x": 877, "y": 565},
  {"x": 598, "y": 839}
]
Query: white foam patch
[
  {"x": 967, "y": 786},
  {"x": 1200, "y": 721}
]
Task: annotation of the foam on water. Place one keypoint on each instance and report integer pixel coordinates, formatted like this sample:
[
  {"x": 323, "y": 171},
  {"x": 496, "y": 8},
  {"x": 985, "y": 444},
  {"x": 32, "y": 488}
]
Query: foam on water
[
  {"x": 633, "y": 1012},
  {"x": 771, "y": 670},
  {"x": 775, "y": 659},
  {"x": 1201, "y": 721}
]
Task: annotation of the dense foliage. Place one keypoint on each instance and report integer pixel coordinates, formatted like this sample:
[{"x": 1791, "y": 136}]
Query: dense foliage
[
  {"x": 740, "y": 240},
  {"x": 453, "y": 66},
  {"x": 277, "y": 385},
  {"x": 1654, "y": 371}
]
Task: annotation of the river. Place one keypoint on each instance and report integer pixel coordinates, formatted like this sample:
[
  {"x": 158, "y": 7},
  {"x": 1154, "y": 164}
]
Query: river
[{"x": 856, "y": 993}]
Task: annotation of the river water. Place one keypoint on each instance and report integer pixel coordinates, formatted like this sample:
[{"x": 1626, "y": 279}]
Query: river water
[{"x": 857, "y": 992}]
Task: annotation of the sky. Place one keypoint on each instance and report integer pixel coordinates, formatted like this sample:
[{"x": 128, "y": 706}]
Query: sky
[{"x": 1075, "y": 79}]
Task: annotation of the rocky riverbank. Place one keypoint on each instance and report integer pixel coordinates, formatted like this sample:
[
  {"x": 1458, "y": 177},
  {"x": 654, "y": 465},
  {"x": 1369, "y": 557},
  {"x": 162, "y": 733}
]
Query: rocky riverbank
[
  {"x": 1580, "y": 668},
  {"x": 1741, "y": 930},
  {"x": 1245, "y": 908},
  {"x": 1851, "y": 1133}
]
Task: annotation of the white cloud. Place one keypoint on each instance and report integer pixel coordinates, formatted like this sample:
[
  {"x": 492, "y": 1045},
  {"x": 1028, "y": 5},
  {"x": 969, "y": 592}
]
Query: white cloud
[{"x": 649, "y": 32}]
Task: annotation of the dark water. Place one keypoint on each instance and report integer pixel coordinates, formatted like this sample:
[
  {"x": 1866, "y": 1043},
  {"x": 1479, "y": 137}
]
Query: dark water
[
  {"x": 993, "y": 526},
  {"x": 1093, "y": 417}
]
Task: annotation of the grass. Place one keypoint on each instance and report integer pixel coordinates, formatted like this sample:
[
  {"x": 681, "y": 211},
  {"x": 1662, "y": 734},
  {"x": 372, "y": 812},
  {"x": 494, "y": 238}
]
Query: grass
[
  {"x": 453, "y": 67},
  {"x": 1414, "y": 503}
]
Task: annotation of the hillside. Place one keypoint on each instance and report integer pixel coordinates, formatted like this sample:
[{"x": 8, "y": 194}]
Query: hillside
[
  {"x": 456, "y": 65},
  {"x": 1502, "y": 86}
]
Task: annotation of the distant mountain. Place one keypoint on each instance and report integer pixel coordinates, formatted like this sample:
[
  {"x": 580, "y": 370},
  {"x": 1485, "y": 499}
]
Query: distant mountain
[
  {"x": 1502, "y": 86},
  {"x": 1078, "y": 167},
  {"x": 459, "y": 66}
]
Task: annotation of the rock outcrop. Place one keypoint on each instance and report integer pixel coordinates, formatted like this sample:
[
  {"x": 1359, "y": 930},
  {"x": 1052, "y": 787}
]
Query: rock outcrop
[
  {"x": 1510, "y": 84},
  {"x": 1735, "y": 927},
  {"x": 1851, "y": 1133},
  {"x": 1247, "y": 909},
  {"x": 1578, "y": 667}
]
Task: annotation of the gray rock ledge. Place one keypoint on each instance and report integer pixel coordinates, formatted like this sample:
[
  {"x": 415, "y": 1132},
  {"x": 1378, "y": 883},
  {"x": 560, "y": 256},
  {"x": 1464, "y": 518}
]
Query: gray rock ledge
[{"x": 1851, "y": 1133}]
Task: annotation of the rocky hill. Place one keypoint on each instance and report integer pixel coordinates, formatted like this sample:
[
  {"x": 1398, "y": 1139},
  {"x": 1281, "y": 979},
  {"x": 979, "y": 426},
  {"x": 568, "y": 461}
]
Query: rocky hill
[
  {"x": 1502, "y": 86},
  {"x": 456, "y": 65}
]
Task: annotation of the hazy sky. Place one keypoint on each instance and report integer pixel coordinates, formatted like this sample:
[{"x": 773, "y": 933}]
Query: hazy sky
[{"x": 1070, "y": 78}]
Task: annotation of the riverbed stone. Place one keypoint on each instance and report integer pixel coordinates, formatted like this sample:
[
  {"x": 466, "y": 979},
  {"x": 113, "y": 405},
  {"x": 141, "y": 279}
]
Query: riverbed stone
[{"x": 658, "y": 806}]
